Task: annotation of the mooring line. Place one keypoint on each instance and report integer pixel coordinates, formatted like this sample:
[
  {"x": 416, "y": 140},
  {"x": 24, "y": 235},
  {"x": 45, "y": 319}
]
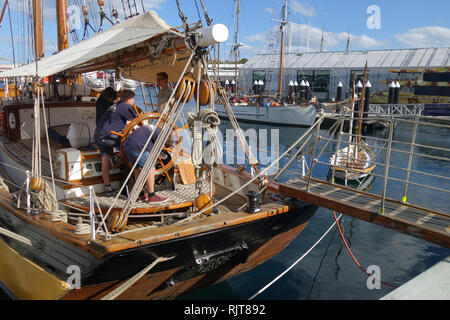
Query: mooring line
[
  {"x": 353, "y": 257},
  {"x": 296, "y": 262}
]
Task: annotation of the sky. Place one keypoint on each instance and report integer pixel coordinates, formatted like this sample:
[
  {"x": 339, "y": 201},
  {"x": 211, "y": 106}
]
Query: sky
[{"x": 374, "y": 24}]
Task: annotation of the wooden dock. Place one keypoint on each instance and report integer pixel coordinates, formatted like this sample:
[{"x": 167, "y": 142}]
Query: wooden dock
[{"x": 424, "y": 223}]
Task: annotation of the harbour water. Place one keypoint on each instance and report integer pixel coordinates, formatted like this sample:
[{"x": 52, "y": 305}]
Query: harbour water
[{"x": 329, "y": 272}]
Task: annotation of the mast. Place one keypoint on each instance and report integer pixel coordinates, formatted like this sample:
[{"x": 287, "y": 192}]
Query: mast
[
  {"x": 361, "y": 107},
  {"x": 321, "y": 42},
  {"x": 3, "y": 12},
  {"x": 348, "y": 42},
  {"x": 61, "y": 23},
  {"x": 307, "y": 36},
  {"x": 236, "y": 48},
  {"x": 37, "y": 30},
  {"x": 283, "y": 23}
]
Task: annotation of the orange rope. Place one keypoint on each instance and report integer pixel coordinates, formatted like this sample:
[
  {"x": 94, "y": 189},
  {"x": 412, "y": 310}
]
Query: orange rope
[{"x": 353, "y": 257}]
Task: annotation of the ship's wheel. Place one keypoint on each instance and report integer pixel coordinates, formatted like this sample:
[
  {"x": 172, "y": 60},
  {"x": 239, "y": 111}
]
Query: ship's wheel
[{"x": 163, "y": 165}]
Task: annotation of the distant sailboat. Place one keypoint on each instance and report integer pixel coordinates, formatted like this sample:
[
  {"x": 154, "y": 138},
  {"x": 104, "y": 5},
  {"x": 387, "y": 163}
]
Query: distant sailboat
[
  {"x": 357, "y": 160},
  {"x": 355, "y": 163},
  {"x": 273, "y": 111}
]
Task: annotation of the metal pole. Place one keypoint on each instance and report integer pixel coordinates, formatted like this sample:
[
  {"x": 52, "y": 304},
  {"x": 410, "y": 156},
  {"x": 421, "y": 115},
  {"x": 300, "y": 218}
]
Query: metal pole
[
  {"x": 411, "y": 153},
  {"x": 303, "y": 166},
  {"x": 386, "y": 167},
  {"x": 28, "y": 193},
  {"x": 91, "y": 212},
  {"x": 337, "y": 150},
  {"x": 312, "y": 155},
  {"x": 143, "y": 96},
  {"x": 252, "y": 170},
  {"x": 151, "y": 98}
]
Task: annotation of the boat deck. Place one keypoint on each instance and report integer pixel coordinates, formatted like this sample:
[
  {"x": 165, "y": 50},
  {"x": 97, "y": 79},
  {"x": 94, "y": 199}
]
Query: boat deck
[
  {"x": 183, "y": 196},
  {"x": 23, "y": 149},
  {"x": 179, "y": 200},
  {"x": 21, "y": 152},
  {"x": 431, "y": 225}
]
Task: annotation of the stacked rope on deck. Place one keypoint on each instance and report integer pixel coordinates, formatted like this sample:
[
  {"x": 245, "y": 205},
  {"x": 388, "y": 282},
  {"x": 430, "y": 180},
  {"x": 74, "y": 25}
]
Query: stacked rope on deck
[
  {"x": 3, "y": 186},
  {"x": 37, "y": 189},
  {"x": 208, "y": 120}
]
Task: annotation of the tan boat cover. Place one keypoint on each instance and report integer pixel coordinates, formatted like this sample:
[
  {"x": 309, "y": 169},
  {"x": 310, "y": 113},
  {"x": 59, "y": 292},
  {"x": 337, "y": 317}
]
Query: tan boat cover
[{"x": 112, "y": 43}]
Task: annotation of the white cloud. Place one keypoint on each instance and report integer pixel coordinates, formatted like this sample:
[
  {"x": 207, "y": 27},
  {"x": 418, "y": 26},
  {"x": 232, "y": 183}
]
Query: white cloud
[
  {"x": 258, "y": 37},
  {"x": 153, "y": 4},
  {"x": 270, "y": 10},
  {"x": 298, "y": 40},
  {"x": 432, "y": 36},
  {"x": 303, "y": 8}
]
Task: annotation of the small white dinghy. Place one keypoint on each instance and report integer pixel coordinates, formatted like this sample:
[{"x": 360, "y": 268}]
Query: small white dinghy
[{"x": 354, "y": 164}]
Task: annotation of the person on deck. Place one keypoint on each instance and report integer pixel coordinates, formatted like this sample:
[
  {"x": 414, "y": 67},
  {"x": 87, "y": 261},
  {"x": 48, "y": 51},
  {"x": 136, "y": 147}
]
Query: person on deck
[
  {"x": 114, "y": 119},
  {"x": 133, "y": 146},
  {"x": 162, "y": 80},
  {"x": 106, "y": 100}
]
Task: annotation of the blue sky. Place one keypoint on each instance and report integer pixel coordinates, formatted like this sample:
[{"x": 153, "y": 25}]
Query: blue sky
[{"x": 402, "y": 24}]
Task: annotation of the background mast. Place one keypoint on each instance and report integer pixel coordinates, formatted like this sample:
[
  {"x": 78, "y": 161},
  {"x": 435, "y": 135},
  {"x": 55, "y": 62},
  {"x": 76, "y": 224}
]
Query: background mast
[
  {"x": 61, "y": 23},
  {"x": 37, "y": 30},
  {"x": 283, "y": 23}
]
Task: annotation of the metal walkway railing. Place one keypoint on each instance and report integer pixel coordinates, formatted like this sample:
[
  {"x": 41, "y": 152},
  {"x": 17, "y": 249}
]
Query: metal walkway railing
[{"x": 403, "y": 150}]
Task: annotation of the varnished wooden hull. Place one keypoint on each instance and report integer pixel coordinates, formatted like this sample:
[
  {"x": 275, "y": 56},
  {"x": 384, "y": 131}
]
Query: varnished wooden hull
[{"x": 260, "y": 241}]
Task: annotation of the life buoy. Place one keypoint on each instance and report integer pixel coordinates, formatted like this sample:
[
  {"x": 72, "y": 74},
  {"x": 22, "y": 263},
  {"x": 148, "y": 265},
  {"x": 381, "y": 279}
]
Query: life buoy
[
  {"x": 12, "y": 121},
  {"x": 274, "y": 104}
]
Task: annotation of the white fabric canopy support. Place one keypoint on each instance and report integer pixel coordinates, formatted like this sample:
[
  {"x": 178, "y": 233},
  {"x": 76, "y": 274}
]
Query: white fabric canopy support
[{"x": 123, "y": 35}]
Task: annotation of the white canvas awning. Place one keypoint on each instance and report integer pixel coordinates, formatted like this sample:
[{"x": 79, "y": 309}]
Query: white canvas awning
[{"x": 106, "y": 46}]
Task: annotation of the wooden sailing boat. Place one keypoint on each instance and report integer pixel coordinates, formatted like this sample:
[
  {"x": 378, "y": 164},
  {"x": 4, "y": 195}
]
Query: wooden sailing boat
[
  {"x": 357, "y": 160},
  {"x": 274, "y": 109},
  {"x": 62, "y": 238}
]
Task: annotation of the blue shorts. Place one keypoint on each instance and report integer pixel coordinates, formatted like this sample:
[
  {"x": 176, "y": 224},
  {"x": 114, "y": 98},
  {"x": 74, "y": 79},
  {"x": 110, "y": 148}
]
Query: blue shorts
[
  {"x": 132, "y": 156},
  {"x": 106, "y": 145}
]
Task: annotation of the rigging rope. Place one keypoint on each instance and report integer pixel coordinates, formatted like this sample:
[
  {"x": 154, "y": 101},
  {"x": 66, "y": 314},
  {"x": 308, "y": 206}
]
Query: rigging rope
[
  {"x": 207, "y": 18},
  {"x": 3, "y": 186},
  {"x": 296, "y": 262},
  {"x": 125, "y": 286},
  {"x": 182, "y": 17},
  {"x": 209, "y": 120}
]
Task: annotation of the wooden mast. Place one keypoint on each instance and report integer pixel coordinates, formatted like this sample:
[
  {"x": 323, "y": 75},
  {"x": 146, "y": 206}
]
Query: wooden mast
[
  {"x": 236, "y": 48},
  {"x": 3, "y": 12},
  {"x": 361, "y": 107},
  {"x": 37, "y": 30},
  {"x": 61, "y": 23},
  {"x": 283, "y": 23}
]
